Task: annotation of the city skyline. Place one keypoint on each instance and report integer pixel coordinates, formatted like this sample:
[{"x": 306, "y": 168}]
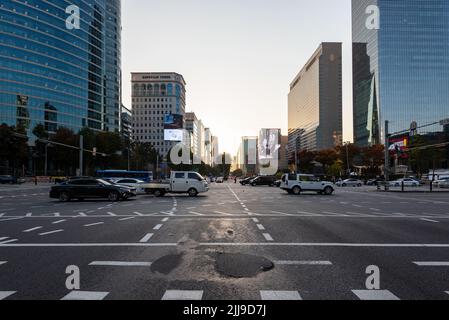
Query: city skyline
[{"x": 250, "y": 70}]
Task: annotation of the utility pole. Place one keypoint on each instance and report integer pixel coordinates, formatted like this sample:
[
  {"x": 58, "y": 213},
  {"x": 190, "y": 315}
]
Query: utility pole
[
  {"x": 387, "y": 157},
  {"x": 81, "y": 154}
]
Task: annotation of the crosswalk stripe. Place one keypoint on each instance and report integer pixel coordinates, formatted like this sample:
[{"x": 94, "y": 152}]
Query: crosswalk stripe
[
  {"x": 280, "y": 295},
  {"x": 6, "y": 294},
  {"x": 268, "y": 237},
  {"x": 375, "y": 295},
  {"x": 85, "y": 295},
  {"x": 432, "y": 263},
  {"x": 3, "y": 262},
  {"x": 183, "y": 295}
]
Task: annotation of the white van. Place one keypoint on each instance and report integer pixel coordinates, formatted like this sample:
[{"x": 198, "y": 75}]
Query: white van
[{"x": 180, "y": 182}]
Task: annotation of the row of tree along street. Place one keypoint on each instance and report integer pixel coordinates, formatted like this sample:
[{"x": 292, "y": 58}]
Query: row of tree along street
[{"x": 57, "y": 154}]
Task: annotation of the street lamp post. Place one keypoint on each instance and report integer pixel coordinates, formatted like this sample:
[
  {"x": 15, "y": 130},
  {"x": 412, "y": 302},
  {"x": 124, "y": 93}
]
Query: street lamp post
[{"x": 347, "y": 158}]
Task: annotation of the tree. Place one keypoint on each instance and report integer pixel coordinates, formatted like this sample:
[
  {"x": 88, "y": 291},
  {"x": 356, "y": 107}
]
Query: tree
[{"x": 13, "y": 148}]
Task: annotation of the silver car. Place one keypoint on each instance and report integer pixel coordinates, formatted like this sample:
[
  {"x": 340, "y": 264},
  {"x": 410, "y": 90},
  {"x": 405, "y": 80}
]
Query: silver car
[{"x": 350, "y": 183}]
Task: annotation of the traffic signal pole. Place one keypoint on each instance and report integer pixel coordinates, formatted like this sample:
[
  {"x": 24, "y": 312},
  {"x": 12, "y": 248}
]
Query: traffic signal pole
[{"x": 387, "y": 157}]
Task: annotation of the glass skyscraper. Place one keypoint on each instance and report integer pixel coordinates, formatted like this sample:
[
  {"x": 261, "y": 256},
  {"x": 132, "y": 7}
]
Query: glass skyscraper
[
  {"x": 401, "y": 69},
  {"x": 58, "y": 77}
]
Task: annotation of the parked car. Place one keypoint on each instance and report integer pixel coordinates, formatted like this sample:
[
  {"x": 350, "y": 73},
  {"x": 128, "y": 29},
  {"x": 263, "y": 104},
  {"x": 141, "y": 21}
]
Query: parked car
[
  {"x": 297, "y": 183},
  {"x": 263, "y": 181},
  {"x": 407, "y": 182},
  {"x": 278, "y": 183},
  {"x": 133, "y": 183},
  {"x": 91, "y": 188},
  {"x": 246, "y": 181},
  {"x": 441, "y": 183},
  {"x": 188, "y": 182},
  {"x": 219, "y": 180},
  {"x": 350, "y": 183},
  {"x": 375, "y": 182},
  {"x": 10, "y": 180}
]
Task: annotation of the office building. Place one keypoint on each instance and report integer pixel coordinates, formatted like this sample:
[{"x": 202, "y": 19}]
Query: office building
[
  {"x": 126, "y": 123},
  {"x": 56, "y": 76},
  {"x": 315, "y": 101},
  {"x": 247, "y": 156},
  {"x": 158, "y": 106},
  {"x": 400, "y": 66}
]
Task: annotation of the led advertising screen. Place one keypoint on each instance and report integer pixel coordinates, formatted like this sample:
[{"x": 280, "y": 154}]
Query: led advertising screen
[
  {"x": 173, "y": 121},
  {"x": 173, "y": 135}
]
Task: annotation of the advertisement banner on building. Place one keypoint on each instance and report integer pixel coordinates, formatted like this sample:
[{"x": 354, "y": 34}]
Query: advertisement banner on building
[
  {"x": 173, "y": 122},
  {"x": 399, "y": 145}
]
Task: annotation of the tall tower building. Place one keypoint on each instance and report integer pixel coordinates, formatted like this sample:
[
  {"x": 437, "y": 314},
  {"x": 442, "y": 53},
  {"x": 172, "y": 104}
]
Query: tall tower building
[
  {"x": 158, "y": 103},
  {"x": 400, "y": 66},
  {"x": 57, "y": 76},
  {"x": 315, "y": 101}
]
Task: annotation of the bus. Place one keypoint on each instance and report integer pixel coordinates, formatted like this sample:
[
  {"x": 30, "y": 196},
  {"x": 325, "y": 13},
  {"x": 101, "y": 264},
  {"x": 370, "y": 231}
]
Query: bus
[{"x": 146, "y": 176}]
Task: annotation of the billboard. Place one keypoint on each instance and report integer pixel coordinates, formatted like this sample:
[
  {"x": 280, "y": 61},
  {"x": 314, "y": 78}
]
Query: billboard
[
  {"x": 174, "y": 135},
  {"x": 173, "y": 122}
]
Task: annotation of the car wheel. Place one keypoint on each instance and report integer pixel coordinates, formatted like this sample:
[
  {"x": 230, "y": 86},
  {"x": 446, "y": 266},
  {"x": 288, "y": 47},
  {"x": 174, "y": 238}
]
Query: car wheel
[
  {"x": 359, "y": 185},
  {"x": 296, "y": 190},
  {"x": 344, "y": 185},
  {"x": 64, "y": 196},
  {"x": 193, "y": 192},
  {"x": 113, "y": 196},
  {"x": 158, "y": 193},
  {"x": 328, "y": 191}
]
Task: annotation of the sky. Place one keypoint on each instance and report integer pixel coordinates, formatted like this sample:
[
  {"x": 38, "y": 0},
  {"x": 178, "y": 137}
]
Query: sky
[{"x": 238, "y": 57}]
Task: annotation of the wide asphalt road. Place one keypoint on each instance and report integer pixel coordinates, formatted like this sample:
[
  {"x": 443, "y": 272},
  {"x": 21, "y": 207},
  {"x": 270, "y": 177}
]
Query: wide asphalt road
[{"x": 232, "y": 243}]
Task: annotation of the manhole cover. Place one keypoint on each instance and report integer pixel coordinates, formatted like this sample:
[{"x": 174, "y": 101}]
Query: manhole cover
[
  {"x": 238, "y": 265},
  {"x": 166, "y": 264}
]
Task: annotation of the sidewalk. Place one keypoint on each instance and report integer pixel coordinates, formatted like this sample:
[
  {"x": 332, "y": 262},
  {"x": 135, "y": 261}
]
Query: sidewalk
[{"x": 24, "y": 186}]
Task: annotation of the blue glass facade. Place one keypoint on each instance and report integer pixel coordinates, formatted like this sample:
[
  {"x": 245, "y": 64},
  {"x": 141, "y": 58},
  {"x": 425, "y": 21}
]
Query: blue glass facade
[
  {"x": 400, "y": 71},
  {"x": 56, "y": 76}
]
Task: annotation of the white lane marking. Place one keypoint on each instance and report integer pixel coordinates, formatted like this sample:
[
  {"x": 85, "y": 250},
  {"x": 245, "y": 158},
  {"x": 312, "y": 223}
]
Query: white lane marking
[
  {"x": 147, "y": 237},
  {"x": 3, "y": 238},
  {"x": 11, "y": 219},
  {"x": 165, "y": 219},
  {"x": 169, "y": 213},
  {"x": 3, "y": 262},
  {"x": 158, "y": 227},
  {"x": 375, "y": 209},
  {"x": 196, "y": 213},
  {"x": 120, "y": 264},
  {"x": 56, "y": 214},
  {"x": 357, "y": 206},
  {"x": 6, "y": 294},
  {"x": 112, "y": 214},
  {"x": 183, "y": 295},
  {"x": 2, "y": 214},
  {"x": 280, "y": 295},
  {"x": 82, "y": 214},
  {"x": 129, "y": 218},
  {"x": 309, "y": 213},
  {"x": 303, "y": 263},
  {"x": 255, "y": 220},
  {"x": 283, "y": 213},
  {"x": 429, "y": 220},
  {"x": 432, "y": 263},
  {"x": 93, "y": 224},
  {"x": 85, "y": 295},
  {"x": 138, "y": 213},
  {"x": 223, "y": 213},
  {"x": 59, "y": 221},
  {"x": 90, "y": 211},
  {"x": 9, "y": 241},
  {"x": 29, "y": 214},
  {"x": 268, "y": 237},
  {"x": 375, "y": 295},
  {"x": 32, "y": 229},
  {"x": 260, "y": 227},
  {"x": 50, "y": 232}
]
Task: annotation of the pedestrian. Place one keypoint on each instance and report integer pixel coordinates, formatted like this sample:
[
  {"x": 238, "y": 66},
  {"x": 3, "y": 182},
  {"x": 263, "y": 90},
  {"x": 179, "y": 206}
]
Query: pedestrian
[{"x": 235, "y": 179}]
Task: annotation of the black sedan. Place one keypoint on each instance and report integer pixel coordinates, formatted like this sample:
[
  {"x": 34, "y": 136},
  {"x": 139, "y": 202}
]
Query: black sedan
[
  {"x": 246, "y": 181},
  {"x": 91, "y": 188},
  {"x": 8, "y": 180}
]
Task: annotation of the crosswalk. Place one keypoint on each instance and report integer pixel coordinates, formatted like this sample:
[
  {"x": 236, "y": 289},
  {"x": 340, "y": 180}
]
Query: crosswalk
[{"x": 192, "y": 295}]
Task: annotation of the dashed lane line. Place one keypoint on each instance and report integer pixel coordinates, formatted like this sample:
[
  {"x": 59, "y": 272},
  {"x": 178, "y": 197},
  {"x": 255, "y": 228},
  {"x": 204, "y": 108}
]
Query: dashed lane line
[
  {"x": 128, "y": 218},
  {"x": 3, "y": 262},
  {"x": 432, "y": 263},
  {"x": 32, "y": 229},
  {"x": 8, "y": 241},
  {"x": 165, "y": 219},
  {"x": 6, "y": 294},
  {"x": 59, "y": 221},
  {"x": 120, "y": 264},
  {"x": 183, "y": 295},
  {"x": 85, "y": 295},
  {"x": 196, "y": 213},
  {"x": 303, "y": 263},
  {"x": 280, "y": 295},
  {"x": 429, "y": 220},
  {"x": 261, "y": 227},
  {"x": 381, "y": 295},
  {"x": 93, "y": 224},
  {"x": 50, "y": 232},
  {"x": 147, "y": 237},
  {"x": 268, "y": 237},
  {"x": 157, "y": 227}
]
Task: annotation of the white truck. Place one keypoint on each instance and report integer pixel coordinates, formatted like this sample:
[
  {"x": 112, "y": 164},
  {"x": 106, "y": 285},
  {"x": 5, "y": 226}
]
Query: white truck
[
  {"x": 188, "y": 182},
  {"x": 297, "y": 183}
]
